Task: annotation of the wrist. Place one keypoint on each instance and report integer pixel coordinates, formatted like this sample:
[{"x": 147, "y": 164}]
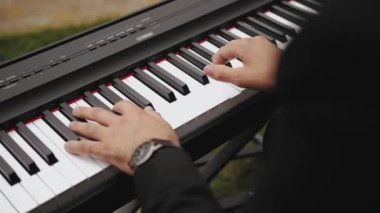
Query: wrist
[{"x": 145, "y": 151}]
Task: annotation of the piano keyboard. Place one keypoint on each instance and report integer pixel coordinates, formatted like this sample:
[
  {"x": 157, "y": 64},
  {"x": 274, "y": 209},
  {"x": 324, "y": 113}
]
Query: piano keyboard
[{"x": 36, "y": 170}]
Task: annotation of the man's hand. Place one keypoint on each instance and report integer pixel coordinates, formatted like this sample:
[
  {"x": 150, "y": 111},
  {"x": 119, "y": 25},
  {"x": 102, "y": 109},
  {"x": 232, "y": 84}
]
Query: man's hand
[
  {"x": 259, "y": 56},
  {"x": 114, "y": 136}
]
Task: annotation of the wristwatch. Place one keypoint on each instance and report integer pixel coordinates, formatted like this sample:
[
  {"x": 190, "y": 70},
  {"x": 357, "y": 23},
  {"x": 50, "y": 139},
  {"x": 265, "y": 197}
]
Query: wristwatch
[{"x": 146, "y": 150}]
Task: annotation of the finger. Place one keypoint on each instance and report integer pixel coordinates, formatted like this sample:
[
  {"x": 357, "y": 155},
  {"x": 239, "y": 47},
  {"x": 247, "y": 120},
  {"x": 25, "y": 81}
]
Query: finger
[
  {"x": 153, "y": 113},
  {"x": 86, "y": 148},
  {"x": 96, "y": 114},
  {"x": 88, "y": 130},
  {"x": 230, "y": 51},
  {"x": 223, "y": 73},
  {"x": 123, "y": 107},
  {"x": 149, "y": 109}
]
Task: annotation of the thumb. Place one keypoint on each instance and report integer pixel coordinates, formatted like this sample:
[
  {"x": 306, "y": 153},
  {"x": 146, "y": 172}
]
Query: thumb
[{"x": 221, "y": 72}]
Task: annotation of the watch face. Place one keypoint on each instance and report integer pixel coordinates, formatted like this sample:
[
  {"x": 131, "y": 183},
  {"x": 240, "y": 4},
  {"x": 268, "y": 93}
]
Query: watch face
[
  {"x": 143, "y": 153},
  {"x": 140, "y": 153}
]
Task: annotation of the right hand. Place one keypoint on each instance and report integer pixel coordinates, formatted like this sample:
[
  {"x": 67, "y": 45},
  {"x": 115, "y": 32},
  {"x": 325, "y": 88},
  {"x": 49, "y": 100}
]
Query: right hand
[
  {"x": 114, "y": 136},
  {"x": 259, "y": 56}
]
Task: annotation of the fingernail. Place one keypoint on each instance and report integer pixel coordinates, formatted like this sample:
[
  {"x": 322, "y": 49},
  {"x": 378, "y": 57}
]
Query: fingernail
[
  {"x": 75, "y": 110},
  {"x": 149, "y": 108},
  {"x": 67, "y": 146},
  {"x": 208, "y": 70},
  {"x": 71, "y": 124}
]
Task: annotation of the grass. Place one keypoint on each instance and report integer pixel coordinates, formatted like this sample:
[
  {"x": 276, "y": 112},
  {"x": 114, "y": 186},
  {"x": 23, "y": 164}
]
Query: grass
[
  {"x": 238, "y": 175},
  {"x": 12, "y": 46}
]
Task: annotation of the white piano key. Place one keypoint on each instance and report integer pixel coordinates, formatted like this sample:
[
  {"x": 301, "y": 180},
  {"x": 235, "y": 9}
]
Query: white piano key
[
  {"x": 235, "y": 62},
  {"x": 61, "y": 117},
  {"x": 82, "y": 103},
  {"x": 238, "y": 32},
  {"x": 31, "y": 183},
  {"x": 303, "y": 7},
  {"x": 210, "y": 46},
  {"x": 5, "y": 205},
  {"x": 188, "y": 110},
  {"x": 284, "y": 21},
  {"x": 241, "y": 34},
  {"x": 199, "y": 93},
  {"x": 234, "y": 65},
  {"x": 159, "y": 104},
  {"x": 64, "y": 165},
  {"x": 48, "y": 174},
  {"x": 102, "y": 99},
  {"x": 281, "y": 45},
  {"x": 17, "y": 195},
  {"x": 86, "y": 164},
  {"x": 221, "y": 89},
  {"x": 203, "y": 95},
  {"x": 191, "y": 83}
]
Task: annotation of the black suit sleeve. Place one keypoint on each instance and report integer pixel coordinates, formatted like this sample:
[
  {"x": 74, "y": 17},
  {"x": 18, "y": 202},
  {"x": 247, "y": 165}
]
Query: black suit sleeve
[
  {"x": 169, "y": 182},
  {"x": 318, "y": 147}
]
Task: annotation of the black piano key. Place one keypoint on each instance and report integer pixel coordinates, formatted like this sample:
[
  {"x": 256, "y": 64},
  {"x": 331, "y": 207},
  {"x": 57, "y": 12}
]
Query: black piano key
[
  {"x": 292, "y": 17},
  {"x": 315, "y": 5},
  {"x": 130, "y": 93},
  {"x": 93, "y": 101},
  {"x": 19, "y": 154},
  {"x": 192, "y": 58},
  {"x": 109, "y": 95},
  {"x": 204, "y": 52},
  {"x": 160, "y": 89},
  {"x": 251, "y": 31},
  {"x": 168, "y": 78},
  {"x": 276, "y": 24},
  {"x": 296, "y": 10},
  {"x": 38, "y": 146},
  {"x": 188, "y": 69},
  {"x": 215, "y": 40},
  {"x": 201, "y": 50},
  {"x": 68, "y": 112},
  {"x": 228, "y": 35},
  {"x": 8, "y": 173},
  {"x": 276, "y": 34},
  {"x": 59, "y": 127}
]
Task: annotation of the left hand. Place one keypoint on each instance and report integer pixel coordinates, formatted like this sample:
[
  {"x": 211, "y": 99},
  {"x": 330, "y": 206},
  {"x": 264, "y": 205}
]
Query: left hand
[
  {"x": 114, "y": 137},
  {"x": 259, "y": 56}
]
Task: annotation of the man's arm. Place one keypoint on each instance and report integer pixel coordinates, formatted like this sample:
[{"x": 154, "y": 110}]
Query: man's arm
[{"x": 169, "y": 182}]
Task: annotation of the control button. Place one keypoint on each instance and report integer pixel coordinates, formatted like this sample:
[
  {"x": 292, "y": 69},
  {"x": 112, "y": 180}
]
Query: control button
[
  {"x": 27, "y": 75},
  {"x": 91, "y": 47},
  {"x": 54, "y": 63},
  {"x": 150, "y": 23},
  {"x": 3, "y": 84},
  {"x": 37, "y": 70},
  {"x": 140, "y": 27},
  {"x": 111, "y": 38},
  {"x": 121, "y": 34},
  {"x": 131, "y": 30},
  {"x": 13, "y": 80},
  {"x": 64, "y": 58},
  {"x": 10, "y": 78},
  {"x": 101, "y": 42}
]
